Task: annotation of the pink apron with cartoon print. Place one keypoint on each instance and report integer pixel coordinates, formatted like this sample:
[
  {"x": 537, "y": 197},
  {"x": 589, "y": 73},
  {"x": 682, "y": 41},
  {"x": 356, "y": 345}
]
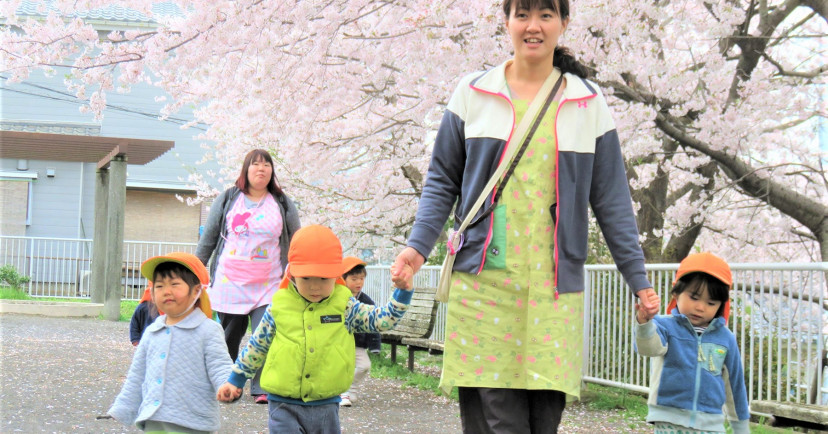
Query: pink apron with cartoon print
[{"x": 249, "y": 267}]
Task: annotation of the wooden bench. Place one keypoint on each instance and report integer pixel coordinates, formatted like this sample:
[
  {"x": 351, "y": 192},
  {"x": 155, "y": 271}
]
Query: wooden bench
[
  {"x": 792, "y": 414},
  {"x": 415, "y": 327}
]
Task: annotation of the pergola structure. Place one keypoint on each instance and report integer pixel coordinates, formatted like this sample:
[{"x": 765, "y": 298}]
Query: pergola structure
[{"x": 111, "y": 155}]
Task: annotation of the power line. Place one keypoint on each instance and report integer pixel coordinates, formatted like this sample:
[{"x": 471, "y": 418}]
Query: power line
[{"x": 69, "y": 98}]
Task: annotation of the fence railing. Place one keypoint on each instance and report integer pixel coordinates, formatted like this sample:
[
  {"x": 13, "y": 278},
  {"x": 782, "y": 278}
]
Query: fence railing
[
  {"x": 60, "y": 267},
  {"x": 779, "y": 311},
  {"x": 779, "y": 317}
]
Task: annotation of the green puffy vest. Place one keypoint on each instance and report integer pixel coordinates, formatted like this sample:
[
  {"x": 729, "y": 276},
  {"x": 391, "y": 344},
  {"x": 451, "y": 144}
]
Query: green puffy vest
[{"x": 312, "y": 355}]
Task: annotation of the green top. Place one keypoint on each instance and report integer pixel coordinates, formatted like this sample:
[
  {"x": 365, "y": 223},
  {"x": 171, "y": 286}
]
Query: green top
[{"x": 505, "y": 328}]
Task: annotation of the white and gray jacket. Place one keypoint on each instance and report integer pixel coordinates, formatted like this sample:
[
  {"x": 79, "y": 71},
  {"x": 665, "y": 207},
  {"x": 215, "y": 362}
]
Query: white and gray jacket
[{"x": 476, "y": 129}]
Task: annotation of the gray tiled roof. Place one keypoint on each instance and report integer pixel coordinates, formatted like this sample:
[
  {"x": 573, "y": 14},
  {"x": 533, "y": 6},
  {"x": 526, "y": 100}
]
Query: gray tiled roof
[{"x": 109, "y": 13}]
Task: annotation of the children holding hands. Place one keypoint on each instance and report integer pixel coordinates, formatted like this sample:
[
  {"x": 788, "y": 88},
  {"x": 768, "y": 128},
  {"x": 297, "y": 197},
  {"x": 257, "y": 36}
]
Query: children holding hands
[
  {"x": 305, "y": 339},
  {"x": 354, "y": 273},
  {"x": 181, "y": 359},
  {"x": 697, "y": 368}
]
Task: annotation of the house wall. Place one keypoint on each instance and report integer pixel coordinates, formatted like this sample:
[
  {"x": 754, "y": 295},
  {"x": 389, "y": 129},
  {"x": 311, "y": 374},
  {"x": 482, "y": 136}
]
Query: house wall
[
  {"x": 14, "y": 194},
  {"x": 160, "y": 216},
  {"x": 63, "y": 205}
]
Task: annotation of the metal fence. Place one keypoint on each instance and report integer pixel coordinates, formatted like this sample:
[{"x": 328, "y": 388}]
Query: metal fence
[
  {"x": 779, "y": 311},
  {"x": 779, "y": 317},
  {"x": 60, "y": 267}
]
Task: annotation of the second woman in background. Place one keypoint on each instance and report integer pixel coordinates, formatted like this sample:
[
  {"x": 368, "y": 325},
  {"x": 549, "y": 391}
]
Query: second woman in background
[{"x": 248, "y": 230}]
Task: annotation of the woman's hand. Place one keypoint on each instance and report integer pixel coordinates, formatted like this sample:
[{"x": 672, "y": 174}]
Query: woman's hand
[
  {"x": 408, "y": 263},
  {"x": 647, "y": 305}
]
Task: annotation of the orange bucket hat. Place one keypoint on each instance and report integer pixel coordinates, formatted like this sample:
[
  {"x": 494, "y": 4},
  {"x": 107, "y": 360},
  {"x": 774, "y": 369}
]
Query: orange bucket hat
[
  {"x": 349, "y": 262},
  {"x": 315, "y": 251},
  {"x": 192, "y": 263},
  {"x": 707, "y": 263}
]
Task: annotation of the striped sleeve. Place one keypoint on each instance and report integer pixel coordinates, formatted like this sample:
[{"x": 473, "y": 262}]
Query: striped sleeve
[
  {"x": 253, "y": 356},
  {"x": 364, "y": 318}
]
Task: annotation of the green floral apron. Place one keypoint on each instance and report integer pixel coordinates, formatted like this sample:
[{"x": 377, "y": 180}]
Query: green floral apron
[{"x": 505, "y": 329}]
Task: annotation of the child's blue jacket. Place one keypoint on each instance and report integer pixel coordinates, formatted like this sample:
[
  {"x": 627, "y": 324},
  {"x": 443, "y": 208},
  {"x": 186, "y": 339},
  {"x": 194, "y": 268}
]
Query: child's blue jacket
[{"x": 694, "y": 376}]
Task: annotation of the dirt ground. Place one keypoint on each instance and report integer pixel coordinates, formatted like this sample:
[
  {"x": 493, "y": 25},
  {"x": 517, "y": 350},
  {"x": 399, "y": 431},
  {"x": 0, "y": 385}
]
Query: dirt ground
[{"x": 62, "y": 374}]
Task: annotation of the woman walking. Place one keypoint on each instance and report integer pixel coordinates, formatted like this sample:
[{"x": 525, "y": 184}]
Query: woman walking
[
  {"x": 514, "y": 331},
  {"x": 248, "y": 231}
]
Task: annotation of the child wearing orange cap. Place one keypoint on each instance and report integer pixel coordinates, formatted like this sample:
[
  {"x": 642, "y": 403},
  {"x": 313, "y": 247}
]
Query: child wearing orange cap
[
  {"x": 697, "y": 369},
  {"x": 354, "y": 273},
  {"x": 305, "y": 339},
  {"x": 144, "y": 314},
  {"x": 182, "y": 358}
]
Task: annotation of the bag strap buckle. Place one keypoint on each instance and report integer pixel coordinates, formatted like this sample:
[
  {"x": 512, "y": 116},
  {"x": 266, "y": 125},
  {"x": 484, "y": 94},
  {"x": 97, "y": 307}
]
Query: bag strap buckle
[{"x": 453, "y": 240}]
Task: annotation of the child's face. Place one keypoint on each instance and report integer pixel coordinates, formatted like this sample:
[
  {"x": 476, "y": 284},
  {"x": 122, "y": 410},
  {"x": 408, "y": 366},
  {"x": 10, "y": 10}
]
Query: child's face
[
  {"x": 314, "y": 289},
  {"x": 355, "y": 282},
  {"x": 698, "y": 307},
  {"x": 173, "y": 296}
]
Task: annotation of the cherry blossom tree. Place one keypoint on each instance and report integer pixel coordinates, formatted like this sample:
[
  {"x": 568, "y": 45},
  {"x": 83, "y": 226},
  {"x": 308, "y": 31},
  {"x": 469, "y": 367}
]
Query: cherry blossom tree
[{"x": 715, "y": 102}]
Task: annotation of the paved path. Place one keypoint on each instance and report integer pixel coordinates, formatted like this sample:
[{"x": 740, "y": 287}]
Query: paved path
[{"x": 60, "y": 374}]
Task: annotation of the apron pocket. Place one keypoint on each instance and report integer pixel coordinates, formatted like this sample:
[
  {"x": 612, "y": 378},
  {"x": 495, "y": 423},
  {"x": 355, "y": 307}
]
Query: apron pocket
[
  {"x": 496, "y": 250},
  {"x": 244, "y": 271}
]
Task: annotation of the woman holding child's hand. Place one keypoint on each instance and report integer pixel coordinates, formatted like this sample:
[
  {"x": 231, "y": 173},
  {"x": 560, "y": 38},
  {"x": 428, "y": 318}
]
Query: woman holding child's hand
[
  {"x": 514, "y": 329},
  {"x": 248, "y": 233}
]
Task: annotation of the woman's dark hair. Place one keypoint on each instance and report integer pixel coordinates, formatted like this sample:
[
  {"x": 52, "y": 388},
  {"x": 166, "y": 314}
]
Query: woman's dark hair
[
  {"x": 698, "y": 282},
  {"x": 250, "y": 158},
  {"x": 562, "y": 58},
  {"x": 358, "y": 269},
  {"x": 171, "y": 270}
]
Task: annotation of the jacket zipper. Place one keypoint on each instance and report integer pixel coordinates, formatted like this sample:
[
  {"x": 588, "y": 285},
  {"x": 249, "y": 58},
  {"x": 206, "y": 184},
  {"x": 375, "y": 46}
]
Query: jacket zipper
[
  {"x": 494, "y": 190},
  {"x": 557, "y": 189}
]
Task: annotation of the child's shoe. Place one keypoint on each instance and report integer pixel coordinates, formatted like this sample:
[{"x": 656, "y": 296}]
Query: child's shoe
[{"x": 346, "y": 400}]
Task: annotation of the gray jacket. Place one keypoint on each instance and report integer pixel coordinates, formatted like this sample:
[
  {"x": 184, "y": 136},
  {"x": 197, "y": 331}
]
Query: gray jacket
[
  {"x": 175, "y": 374},
  {"x": 212, "y": 240},
  {"x": 475, "y": 131}
]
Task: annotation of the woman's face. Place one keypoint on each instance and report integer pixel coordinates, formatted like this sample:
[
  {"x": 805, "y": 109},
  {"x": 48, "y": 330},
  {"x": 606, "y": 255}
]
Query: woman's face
[
  {"x": 259, "y": 174},
  {"x": 535, "y": 32}
]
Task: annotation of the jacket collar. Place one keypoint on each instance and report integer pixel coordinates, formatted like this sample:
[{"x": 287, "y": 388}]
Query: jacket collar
[
  {"x": 193, "y": 320},
  {"x": 494, "y": 81},
  {"x": 684, "y": 321}
]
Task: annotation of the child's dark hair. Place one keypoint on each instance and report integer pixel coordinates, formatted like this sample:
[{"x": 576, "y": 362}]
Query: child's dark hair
[
  {"x": 358, "y": 269},
  {"x": 170, "y": 270},
  {"x": 562, "y": 58},
  {"x": 698, "y": 282}
]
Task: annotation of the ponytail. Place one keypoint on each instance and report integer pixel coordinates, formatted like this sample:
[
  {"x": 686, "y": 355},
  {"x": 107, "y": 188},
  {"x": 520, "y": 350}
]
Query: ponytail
[{"x": 564, "y": 60}]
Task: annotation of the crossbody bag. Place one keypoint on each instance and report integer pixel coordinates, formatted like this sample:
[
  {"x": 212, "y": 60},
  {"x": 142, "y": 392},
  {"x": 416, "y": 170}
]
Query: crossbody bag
[{"x": 525, "y": 130}]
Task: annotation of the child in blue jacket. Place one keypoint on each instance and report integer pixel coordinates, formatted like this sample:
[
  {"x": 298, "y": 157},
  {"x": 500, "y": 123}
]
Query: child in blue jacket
[{"x": 697, "y": 368}]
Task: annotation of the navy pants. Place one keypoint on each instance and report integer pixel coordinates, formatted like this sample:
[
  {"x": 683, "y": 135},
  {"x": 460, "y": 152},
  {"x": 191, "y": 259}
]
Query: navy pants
[
  {"x": 310, "y": 419},
  {"x": 513, "y": 411}
]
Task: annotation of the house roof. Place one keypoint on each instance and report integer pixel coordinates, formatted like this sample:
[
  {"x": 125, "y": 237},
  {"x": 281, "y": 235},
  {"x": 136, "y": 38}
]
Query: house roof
[
  {"x": 112, "y": 14},
  {"x": 87, "y": 149}
]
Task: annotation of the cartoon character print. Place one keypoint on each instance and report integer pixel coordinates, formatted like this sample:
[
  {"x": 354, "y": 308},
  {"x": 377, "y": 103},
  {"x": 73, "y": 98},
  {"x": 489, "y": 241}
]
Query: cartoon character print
[{"x": 239, "y": 225}]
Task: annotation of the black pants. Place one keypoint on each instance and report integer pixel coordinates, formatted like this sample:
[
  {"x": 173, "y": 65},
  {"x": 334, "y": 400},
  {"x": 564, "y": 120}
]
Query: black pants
[
  {"x": 235, "y": 326},
  {"x": 510, "y": 411}
]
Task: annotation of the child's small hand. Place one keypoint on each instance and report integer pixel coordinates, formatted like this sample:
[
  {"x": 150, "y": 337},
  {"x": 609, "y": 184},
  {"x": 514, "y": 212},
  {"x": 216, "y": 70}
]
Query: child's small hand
[
  {"x": 228, "y": 393},
  {"x": 405, "y": 278},
  {"x": 651, "y": 303}
]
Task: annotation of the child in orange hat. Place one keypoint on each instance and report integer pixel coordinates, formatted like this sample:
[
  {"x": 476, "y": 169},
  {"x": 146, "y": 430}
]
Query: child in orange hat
[
  {"x": 181, "y": 360},
  {"x": 697, "y": 369},
  {"x": 144, "y": 314},
  {"x": 354, "y": 273},
  {"x": 305, "y": 339}
]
